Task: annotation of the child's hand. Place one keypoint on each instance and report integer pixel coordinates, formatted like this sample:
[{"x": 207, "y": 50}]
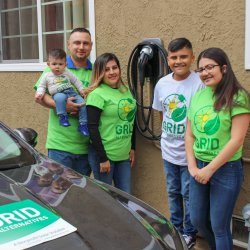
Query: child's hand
[
  {"x": 203, "y": 175},
  {"x": 193, "y": 171},
  {"x": 83, "y": 93},
  {"x": 39, "y": 96}
]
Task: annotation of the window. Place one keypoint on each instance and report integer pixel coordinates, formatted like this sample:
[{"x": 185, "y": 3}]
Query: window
[
  {"x": 247, "y": 38},
  {"x": 29, "y": 28},
  {"x": 12, "y": 153}
]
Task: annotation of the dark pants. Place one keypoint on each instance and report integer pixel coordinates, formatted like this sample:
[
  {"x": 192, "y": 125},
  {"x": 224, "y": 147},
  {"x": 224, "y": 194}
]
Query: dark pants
[
  {"x": 78, "y": 162},
  {"x": 212, "y": 204}
]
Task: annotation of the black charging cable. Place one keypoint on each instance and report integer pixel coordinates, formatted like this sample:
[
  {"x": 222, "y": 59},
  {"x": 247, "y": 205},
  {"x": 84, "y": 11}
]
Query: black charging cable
[{"x": 140, "y": 60}]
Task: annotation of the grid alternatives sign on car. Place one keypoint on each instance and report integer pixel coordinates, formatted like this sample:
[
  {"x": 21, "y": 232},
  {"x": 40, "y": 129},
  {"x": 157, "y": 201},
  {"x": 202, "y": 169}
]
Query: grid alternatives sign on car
[{"x": 25, "y": 224}]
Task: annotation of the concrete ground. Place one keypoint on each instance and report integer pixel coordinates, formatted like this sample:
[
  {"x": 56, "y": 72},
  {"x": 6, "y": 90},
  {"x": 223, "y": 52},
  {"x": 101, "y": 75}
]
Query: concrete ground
[{"x": 201, "y": 244}]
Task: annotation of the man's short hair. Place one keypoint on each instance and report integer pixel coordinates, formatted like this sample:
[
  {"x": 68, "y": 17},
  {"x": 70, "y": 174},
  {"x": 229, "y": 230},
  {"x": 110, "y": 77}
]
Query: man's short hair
[
  {"x": 80, "y": 29},
  {"x": 179, "y": 43}
]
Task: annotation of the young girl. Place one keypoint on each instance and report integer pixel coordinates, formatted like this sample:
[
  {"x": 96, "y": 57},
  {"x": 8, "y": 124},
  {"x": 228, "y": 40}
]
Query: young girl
[
  {"x": 218, "y": 123},
  {"x": 111, "y": 111}
]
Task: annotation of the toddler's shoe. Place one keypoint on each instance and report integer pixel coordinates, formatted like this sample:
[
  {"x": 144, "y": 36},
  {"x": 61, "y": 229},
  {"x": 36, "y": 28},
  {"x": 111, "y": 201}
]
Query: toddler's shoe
[
  {"x": 83, "y": 129},
  {"x": 64, "y": 120}
]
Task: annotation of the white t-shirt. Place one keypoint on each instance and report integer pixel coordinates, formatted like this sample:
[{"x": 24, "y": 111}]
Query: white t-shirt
[{"x": 172, "y": 98}]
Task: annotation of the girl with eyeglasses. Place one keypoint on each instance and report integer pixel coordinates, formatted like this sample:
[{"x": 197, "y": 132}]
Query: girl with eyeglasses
[{"x": 218, "y": 120}]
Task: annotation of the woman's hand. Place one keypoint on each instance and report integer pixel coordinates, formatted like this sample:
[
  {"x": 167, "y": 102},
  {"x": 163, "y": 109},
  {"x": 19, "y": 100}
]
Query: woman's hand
[
  {"x": 132, "y": 157},
  {"x": 105, "y": 167}
]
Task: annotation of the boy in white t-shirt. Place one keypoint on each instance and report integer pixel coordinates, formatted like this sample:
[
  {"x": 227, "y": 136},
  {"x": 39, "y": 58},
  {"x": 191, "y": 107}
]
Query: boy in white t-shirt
[{"x": 172, "y": 97}]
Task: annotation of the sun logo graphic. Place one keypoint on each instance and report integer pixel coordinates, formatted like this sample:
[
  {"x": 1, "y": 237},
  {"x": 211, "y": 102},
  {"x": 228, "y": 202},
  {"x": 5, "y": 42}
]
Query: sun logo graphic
[
  {"x": 60, "y": 80},
  {"x": 126, "y": 109},
  {"x": 206, "y": 120},
  {"x": 175, "y": 106}
]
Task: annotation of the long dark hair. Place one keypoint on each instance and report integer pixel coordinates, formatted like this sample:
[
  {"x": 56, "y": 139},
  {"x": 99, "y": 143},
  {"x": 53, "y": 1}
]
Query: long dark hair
[{"x": 229, "y": 86}]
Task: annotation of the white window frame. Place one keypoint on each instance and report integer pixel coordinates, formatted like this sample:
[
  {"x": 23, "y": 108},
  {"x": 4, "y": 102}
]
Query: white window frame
[
  {"x": 247, "y": 36},
  {"x": 41, "y": 64}
]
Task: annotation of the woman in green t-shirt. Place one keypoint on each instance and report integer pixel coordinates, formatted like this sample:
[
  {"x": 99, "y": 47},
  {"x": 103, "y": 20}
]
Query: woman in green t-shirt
[
  {"x": 111, "y": 111},
  {"x": 218, "y": 122}
]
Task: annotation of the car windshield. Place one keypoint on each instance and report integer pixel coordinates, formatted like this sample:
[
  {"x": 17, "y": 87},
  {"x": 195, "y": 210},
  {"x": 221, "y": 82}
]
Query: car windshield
[{"x": 12, "y": 153}]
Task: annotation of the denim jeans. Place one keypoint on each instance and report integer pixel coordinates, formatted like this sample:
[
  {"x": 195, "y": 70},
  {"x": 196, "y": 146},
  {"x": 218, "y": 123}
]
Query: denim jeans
[
  {"x": 212, "y": 204},
  {"x": 177, "y": 179},
  {"x": 77, "y": 162},
  {"x": 120, "y": 171},
  {"x": 61, "y": 101}
]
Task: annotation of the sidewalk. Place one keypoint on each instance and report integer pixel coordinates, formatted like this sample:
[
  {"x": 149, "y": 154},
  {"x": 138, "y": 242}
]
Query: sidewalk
[{"x": 201, "y": 244}]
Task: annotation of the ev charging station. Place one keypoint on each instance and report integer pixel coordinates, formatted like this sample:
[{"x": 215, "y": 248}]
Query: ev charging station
[{"x": 147, "y": 64}]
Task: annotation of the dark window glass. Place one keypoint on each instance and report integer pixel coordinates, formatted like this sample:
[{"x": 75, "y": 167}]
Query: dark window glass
[
  {"x": 53, "y": 17},
  {"x": 19, "y": 26},
  {"x": 8, "y": 4},
  {"x": 10, "y": 23},
  {"x": 30, "y": 47},
  {"x": 28, "y": 21},
  {"x": 11, "y": 48},
  {"x": 47, "y": 1},
  {"x": 52, "y": 41},
  {"x": 24, "y": 3}
]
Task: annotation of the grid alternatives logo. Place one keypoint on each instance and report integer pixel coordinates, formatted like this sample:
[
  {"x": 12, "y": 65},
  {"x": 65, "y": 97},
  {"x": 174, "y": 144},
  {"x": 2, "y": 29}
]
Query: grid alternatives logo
[
  {"x": 24, "y": 224},
  {"x": 126, "y": 109},
  {"x": 175, "y": 107},
  {"x": 206, "y": 120}
]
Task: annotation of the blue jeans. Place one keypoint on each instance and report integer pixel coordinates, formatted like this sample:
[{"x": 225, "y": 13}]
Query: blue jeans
[
  {"x": 77, "y": 162},
  {"x": 61, "y": 101},
  {"x": 177, "y": 179},
  {"x": 212, "y": 204},
  {"x": 120, "y": 171}
]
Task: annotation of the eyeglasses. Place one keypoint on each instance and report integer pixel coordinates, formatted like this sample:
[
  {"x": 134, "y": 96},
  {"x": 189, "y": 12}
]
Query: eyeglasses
[{"x": 207, "y": 68}]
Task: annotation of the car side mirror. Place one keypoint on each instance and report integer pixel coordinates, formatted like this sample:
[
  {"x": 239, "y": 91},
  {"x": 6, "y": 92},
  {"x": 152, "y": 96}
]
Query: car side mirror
[{"x": 27, "y": 134}]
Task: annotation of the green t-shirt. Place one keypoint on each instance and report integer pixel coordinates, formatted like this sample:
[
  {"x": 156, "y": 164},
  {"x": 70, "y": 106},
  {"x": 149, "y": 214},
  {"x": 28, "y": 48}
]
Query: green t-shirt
[
  {"x": 67, "y": 139},
  {"x": 212, "y": 129},
  {"x": 116, "y": 121}
]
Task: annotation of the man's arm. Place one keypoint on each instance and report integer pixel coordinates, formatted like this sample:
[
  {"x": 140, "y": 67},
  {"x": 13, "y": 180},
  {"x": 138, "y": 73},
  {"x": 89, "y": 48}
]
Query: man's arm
[
  {"x": 47, "y": 101},
  {"x": 161, "y": 116},
  {"x": 71, "y": 107}
]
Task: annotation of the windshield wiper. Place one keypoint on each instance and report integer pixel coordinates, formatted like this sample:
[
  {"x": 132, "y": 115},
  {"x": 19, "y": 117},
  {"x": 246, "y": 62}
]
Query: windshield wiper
[{"x": 13, "y": 166}]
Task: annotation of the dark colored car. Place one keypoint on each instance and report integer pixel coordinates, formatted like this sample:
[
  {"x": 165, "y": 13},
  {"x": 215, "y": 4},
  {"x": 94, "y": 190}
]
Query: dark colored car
[{"x": 104, "y": 217}]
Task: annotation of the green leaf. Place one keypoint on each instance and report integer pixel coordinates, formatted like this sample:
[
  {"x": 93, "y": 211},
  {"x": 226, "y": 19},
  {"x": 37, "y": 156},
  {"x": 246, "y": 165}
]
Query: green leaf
[
  {"x": 179, "y": 114},
  {"x": 212, "y": 126}
]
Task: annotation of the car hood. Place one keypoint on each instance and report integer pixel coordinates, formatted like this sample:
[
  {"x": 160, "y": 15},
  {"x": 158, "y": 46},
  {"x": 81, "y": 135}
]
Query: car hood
[{"x": 105, "y": 217}]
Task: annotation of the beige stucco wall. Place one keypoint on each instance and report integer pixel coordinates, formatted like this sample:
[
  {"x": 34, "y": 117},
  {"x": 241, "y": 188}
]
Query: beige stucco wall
[{"x": 120, "y": 26}]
